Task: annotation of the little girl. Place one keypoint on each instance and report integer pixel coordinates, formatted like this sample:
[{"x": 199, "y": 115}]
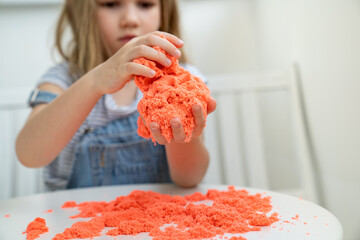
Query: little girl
[{"x": 83, "y": 126}]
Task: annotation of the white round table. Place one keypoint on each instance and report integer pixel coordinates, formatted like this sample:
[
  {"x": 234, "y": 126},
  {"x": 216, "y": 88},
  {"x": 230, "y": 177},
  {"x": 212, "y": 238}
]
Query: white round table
[{"x": 313, "y": 222}]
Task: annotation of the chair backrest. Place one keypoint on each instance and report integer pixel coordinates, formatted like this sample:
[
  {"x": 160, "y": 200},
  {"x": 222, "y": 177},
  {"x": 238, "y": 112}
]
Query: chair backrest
[
  {"x": 235, "y": 132},
  {"x": 15, "y": 179}
]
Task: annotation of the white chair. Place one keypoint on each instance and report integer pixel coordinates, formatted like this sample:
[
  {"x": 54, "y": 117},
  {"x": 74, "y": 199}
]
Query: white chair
[{"x": 235, "y": 133}]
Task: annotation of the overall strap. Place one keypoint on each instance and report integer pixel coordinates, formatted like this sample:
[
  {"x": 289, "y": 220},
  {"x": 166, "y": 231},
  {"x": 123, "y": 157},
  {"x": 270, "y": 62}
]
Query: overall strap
[{"x": 39, "y": 97}]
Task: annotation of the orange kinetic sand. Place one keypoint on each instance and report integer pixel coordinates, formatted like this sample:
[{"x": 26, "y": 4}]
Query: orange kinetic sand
[
  {"x": 35, "y": 228},
  {"x": 170, "y": 94},
  {"x": 167, "y": 217}
]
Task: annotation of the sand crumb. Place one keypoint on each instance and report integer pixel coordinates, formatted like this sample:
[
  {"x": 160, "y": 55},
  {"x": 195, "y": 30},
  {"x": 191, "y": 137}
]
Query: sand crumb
[{"x": 36, "y": 228}]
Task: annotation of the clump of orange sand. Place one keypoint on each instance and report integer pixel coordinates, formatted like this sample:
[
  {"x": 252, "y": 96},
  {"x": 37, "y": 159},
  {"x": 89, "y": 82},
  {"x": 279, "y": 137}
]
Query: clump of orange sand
[
  {"x": 171, "y": 93},
  {"x": 166, "y": 217},
  {"x": 36, "y": 228}
]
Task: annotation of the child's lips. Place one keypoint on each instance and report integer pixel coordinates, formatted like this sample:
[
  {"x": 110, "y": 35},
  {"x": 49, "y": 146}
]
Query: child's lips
[{"x": 126, "y": 38}]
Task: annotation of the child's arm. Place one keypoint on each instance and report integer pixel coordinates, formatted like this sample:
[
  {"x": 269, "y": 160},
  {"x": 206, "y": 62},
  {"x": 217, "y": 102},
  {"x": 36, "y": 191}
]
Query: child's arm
[
  {"x": 188, "y": 162},
  {"x": 50, "y": 127}
]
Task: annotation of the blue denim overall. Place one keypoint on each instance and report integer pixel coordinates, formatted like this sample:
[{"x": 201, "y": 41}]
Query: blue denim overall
[
  {"x": 113, "y": 154},
  {"x": 116, "y": 154}
]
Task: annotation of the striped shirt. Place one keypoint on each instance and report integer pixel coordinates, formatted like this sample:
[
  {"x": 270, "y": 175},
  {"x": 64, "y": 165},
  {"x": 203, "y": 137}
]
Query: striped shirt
[{"x": 57, "y": 174}]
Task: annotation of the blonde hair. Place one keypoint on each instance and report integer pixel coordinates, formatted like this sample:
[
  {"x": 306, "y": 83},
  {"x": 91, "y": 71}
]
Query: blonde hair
[{"x": 86, "y": 50}]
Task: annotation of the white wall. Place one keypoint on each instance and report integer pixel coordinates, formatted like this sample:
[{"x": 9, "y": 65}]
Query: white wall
[
  {"x": 324, "y": 38},
  {"x": 26, "y": 37},
  {"x": 219, "y": 35}
]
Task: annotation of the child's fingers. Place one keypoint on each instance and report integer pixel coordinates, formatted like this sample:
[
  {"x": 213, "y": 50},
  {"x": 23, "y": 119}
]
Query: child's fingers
[
  {"x": 167, "y": 46},
  {"x": 155, "y": 131},
  {"x": 139, "y": 69},
  {"x": 211, "y": 105},
  {"x": 177, "y": 130},
  {"x": 172, "y": 38},
  {"x": 199, "y": 120},
  {"x": 151, "y": 54}
]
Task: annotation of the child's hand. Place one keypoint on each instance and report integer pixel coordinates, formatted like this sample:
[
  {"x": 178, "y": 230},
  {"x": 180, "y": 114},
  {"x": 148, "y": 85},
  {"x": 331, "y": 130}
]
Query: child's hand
[
  {"x": 177, "y": 128},
  {"x": 113, "y": 74}
]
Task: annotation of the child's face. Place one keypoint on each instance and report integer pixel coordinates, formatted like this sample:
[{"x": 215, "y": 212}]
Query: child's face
[{"x": 122, "y": 20}]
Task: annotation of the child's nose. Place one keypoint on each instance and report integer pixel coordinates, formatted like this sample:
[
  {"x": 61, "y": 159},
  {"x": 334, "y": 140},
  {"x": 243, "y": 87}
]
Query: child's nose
[{"x": 129, "y": 17}]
